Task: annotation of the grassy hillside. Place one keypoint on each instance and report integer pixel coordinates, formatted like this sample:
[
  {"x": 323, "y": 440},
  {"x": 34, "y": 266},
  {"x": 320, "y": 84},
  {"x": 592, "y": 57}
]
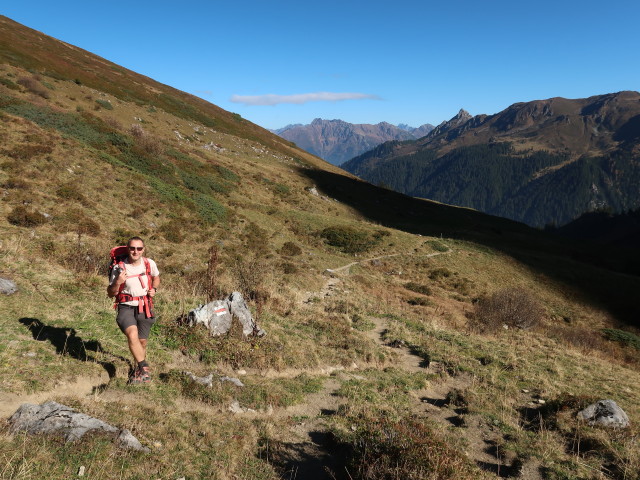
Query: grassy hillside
[{"x": 386, "y": 366}]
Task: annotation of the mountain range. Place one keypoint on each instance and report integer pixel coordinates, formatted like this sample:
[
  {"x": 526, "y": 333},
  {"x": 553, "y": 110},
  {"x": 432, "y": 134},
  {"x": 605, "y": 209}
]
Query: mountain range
[
  {"x": 541, "y": 162},
  {"x": 337, "y": 141}
]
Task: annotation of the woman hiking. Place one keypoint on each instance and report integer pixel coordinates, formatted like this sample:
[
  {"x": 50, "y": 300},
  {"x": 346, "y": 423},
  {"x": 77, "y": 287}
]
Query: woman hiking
[{"x": 134, "y": 282}]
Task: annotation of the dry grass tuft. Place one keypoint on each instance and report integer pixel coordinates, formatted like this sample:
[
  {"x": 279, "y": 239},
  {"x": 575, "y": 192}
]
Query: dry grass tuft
[{"x": 511, "y": 307}]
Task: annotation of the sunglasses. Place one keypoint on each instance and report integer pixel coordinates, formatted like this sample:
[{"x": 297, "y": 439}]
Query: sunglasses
[{"x": 133, "y": 249}]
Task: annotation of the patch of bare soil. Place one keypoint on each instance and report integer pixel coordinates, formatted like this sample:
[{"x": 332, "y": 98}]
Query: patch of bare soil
[{"x": 78, "y": 388}]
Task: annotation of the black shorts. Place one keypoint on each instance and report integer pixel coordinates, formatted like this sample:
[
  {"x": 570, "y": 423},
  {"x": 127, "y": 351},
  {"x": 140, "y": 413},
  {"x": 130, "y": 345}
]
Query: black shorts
[{"x": 129, "y": 315}]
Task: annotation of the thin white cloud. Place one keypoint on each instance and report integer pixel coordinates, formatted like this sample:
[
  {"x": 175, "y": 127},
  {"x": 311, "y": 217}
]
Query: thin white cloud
[{"x": 300, "y": 98}]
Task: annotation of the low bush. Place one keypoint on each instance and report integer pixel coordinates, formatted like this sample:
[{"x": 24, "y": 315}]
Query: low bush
[
  {"x": 9, "y": 84},
  {"x": 437, "y": 246},
  {"x": 289, "y": 268},
  {"x": 27, "y": 151},
  {"x": 384, "y": 449},
  {"x": 349, "y": 239},
  {"x": 439, "y": 273},
  {"x": 514, "y": 307},
  {"x": 420, "y": 301},
  {"x": 23, "y": 217},
  {"x": 15, "y": 183},
  {"x": 290, "y": 249},
  {"x": 106, "y": 104},
  {"x": 173, "y": 230},
  {"x": 70, "y": 191},
  {"x": 75, "y": 220},
  {"x": 209, "y": 209},
  {"x": 418, "y": 288},
  {"x": 623, "y": 337},
  {"x": 33, "y": 86}
]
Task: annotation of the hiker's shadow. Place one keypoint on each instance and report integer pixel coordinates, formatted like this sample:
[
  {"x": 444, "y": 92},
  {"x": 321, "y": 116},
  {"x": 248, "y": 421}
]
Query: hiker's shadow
[{"x": 66, "y": 342}]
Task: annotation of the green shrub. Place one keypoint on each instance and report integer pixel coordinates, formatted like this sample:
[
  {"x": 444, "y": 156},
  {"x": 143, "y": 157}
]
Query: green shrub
[
  {"x": 122, "y": 235},
  {"x": 420, "y": 301},
  {"x": 362, "y": 324},
  {"x": 437, "y": 246},
  {"x": 106, "y": 104},
  {"x": 23, "y": 217},
  {"x": 169, "y": 193},
  {"x": 349, "y": 239},
  {"x": 440, "y": 273},
  {"x": 202, "y": 183},
  {"x": 209, "y": 209},
  {"x": 620, "y": 336},
  {"x": 9, "y": 84},
  {"x": 418, "y": 288}
]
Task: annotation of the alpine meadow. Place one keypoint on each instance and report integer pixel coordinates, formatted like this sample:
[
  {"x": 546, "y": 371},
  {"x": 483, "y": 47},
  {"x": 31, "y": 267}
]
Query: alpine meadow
[{"x": 405, "y": 338}]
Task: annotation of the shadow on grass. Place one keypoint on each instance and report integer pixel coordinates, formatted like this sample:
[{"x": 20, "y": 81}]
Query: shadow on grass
[
  {"x": 66, "y": 342},
  {"x": 585, "y": 267},
  {"x": 317, "y": 459}
]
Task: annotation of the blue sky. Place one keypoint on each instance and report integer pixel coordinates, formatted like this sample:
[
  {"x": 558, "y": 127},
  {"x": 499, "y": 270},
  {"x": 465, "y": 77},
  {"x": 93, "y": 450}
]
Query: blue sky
[{"x": 408, "y": 62}]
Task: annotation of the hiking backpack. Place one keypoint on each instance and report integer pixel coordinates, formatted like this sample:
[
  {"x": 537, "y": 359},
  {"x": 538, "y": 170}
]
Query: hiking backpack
[{"x": 118, "y": 256}]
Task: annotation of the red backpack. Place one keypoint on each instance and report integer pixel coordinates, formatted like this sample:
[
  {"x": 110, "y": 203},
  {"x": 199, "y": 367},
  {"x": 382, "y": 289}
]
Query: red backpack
[{"x": 118, "y": 256}]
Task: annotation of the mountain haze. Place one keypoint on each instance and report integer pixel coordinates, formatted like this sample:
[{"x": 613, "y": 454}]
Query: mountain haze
[
  {"x": 541, "y": 162},
  {"x": 337, "y": 141},
  {"x": 381, "y": 359}
]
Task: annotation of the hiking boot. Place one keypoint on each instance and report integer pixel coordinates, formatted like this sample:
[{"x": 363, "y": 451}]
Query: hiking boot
[
  {"x": 136, "y": 377},
  {"x": 145, "y": 375}
]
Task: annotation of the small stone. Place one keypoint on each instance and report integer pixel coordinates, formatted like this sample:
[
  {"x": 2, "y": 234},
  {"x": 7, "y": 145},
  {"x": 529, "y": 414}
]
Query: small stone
[
  {"x": 524, "y": 390},
  {"x": 7, "y": 286},
  {"x": 81, "y": 471},
  {"x": 241, "y": 372},
  {"x": 353, "y": 428},
  {"x": 235, "y": 381},
  {"x": 541, "y": 401}
]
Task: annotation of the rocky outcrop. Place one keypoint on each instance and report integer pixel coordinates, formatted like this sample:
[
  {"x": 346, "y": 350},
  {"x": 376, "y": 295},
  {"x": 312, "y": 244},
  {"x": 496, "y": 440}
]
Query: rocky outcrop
[
  {"x": 218, "y": 315},
  {"x": 54, "y": 418},
  {"x": 605, "y": 413}
]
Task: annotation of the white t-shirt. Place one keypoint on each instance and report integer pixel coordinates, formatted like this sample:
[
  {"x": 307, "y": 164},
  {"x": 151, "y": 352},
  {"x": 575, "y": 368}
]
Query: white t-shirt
[{"x": 136, "y": 286}]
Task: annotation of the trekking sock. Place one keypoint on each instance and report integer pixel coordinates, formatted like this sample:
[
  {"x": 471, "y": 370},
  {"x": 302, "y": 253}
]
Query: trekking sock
[{"x": 143, "y": 363}]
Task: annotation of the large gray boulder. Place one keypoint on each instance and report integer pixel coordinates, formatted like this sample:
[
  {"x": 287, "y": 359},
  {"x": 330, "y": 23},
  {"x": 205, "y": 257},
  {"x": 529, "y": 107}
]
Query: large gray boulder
[
  {"x": 605, "y": 413},
  {"x": 52, "y": 417},
  {"x": 218, "y": 315},
  {"x": 7, "y": 287}
]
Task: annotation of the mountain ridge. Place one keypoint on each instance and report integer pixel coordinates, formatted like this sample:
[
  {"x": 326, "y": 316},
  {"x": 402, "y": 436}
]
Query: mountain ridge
[
  {"x": 591, "y": 145},
  {"x": 337, "y": 141}
]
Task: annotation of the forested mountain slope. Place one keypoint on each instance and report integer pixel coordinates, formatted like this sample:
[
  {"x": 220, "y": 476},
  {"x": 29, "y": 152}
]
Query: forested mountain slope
[{"x": 543, "y": 162}]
